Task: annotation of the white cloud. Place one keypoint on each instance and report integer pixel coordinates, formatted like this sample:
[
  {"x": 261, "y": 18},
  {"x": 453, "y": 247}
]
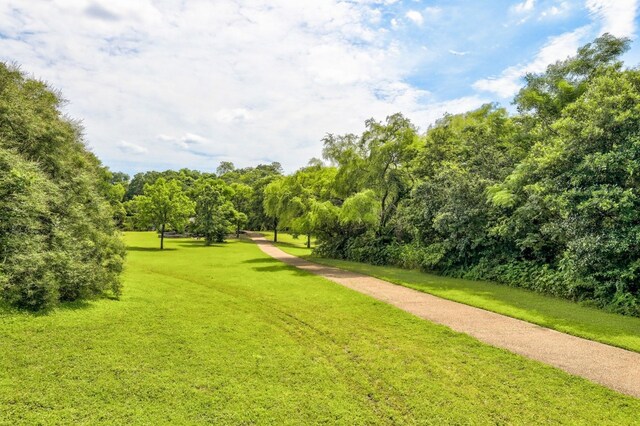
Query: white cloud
[
  {"x": 552, "y": 11},
  {"x": 433, "y": 11},
  {"x": 415, "y": 17},
  {"x": 187, "y": 141},
  {"x": 457, "y": 52},
  {"x": 524, "y": 7},
  {"x": 245, "y": 81},
  {"x": 233, "y": 115},
  {"x": 509, "y": 82},
  {"x": 260, "y": 81},
  {"x": 191, "y": 139},
  {"x": 615, "y": 17},
  {"x": 131, "y": 148},
  {"x": 618, "y": 16}
]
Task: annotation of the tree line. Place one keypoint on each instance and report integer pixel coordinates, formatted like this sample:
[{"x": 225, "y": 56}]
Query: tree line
[
  {"x": 545, "y": 198},
  {"x": 207, "y": 205}
]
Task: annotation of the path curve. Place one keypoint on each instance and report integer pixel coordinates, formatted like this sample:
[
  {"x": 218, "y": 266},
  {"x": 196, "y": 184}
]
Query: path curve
[{"x": 612, "y": 367}]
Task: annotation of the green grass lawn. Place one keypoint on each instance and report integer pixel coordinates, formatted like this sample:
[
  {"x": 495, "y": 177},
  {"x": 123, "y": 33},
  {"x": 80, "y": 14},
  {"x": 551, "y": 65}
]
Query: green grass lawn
[
  {"x": 227, "y": 335},
  {"x": 551, "y": 312}
]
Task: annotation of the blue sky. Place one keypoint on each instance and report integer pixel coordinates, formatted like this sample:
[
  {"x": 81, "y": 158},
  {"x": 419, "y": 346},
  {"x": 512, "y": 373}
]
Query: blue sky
[{"x": 169, "y": 84}]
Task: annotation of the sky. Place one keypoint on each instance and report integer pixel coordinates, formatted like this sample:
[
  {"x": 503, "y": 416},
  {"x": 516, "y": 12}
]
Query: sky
[{"x": 167, "y": 84}]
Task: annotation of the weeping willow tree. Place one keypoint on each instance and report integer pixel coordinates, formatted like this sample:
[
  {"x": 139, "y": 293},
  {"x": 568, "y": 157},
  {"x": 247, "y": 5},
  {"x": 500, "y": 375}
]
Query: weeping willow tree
[{"x": 58, "y": 241}]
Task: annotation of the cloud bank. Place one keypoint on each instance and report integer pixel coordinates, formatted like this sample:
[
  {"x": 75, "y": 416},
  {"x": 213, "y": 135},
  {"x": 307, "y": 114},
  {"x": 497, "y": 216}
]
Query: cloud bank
[{"x": 167, "y": 83}]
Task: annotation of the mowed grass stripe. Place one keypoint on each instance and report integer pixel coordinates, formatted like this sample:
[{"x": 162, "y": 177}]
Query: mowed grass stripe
[{"x": 227, "y": 335}]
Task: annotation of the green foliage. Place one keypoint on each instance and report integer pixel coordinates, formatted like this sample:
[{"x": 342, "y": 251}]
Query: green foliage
[
  {"x": 58, "y": 241},
  {"x": 545, "y": 200},
  {"x": 186, "y": 177},
  {"x": 214, "y": 212},
  {"x": 547, "y": 94},
  {"x": 164, "y": 204},
  {"x": 257, "y": 178},
  {"x": 241, "y": 199},
  {"x": 575, "y": 197},
  {"x": 360, "y": 209}
]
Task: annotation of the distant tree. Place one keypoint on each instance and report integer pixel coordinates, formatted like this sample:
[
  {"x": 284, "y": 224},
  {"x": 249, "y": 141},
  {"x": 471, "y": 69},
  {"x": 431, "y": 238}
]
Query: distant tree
[
  {"x": 186, "y": 178},
  {"x": 115, "y": 195},
  {"x": 257, "y": 178},
  {"x": 119, "y": 177},
  {"x": 241, "y": 199},
  {"x": 225, "y": 167},
  {"x": 164, "y": 203},
  {"x": 315, "y": 162},
  {"x": 215, "y": 213},
  {"x": 136, "y": 185},
  {"x": 276, "y": 199},
  {"x": 308, "y": 187}
]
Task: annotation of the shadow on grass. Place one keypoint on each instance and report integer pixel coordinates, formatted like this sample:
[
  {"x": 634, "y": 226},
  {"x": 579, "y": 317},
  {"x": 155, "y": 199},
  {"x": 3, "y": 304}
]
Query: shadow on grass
[
  {"x": 261, "y": 260},
  {"x": 280, "y": 268},
  {"x": 79, "y": 305},
  {"x": 199, "y": 244},
  {"x": 293, "y": 245},
  {"x": 7, "y": 310},
  {"x": 143, "y": 249}
]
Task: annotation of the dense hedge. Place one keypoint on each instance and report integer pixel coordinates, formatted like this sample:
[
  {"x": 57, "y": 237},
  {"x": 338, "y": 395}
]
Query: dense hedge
[{"x": 58, "y": 241}]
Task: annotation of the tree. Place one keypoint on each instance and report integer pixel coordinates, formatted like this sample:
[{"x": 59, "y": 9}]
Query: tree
[
  {"x": 309, "y": 187},
  {"x": 257, "y": 178},
  {"x": 545, "y": 95},
  {"x": 276, "y": 202},
  {"x": 463, "y": 155},
  {"x": 214, "y": 211},
  {"x": 241, "y": 199},
  {"x": 225, "y": 167},
  {"x": 164, "y": 203}
]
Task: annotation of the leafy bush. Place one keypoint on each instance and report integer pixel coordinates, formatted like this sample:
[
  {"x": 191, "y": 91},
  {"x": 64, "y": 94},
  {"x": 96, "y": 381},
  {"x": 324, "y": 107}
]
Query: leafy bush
[{"x": 58, "y": 240}]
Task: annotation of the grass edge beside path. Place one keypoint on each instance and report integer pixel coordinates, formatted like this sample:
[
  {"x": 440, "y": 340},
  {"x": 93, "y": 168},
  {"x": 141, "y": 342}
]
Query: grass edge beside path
[{"x": 547, "y": 311}]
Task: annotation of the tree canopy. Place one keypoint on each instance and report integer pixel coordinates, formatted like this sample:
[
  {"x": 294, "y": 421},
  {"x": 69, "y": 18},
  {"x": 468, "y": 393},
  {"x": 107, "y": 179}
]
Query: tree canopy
[{"x": 164, "y": 203}]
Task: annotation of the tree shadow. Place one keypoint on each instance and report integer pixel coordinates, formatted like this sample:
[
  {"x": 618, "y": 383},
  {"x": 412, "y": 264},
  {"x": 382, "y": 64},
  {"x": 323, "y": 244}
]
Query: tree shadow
[
  {"x": 199, "y": 244},
  {"x": 79, "y": 305},
  {"x": 280, "y": 268},
  {"x": 143, "y": 249},
  {"x": 295, "y": 245},
  {"x": 7, "y": 310},
  {"x": 261, "y": 260}
]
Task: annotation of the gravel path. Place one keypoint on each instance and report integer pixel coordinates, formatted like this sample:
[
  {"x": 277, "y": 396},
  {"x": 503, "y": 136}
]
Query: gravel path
[{"x": 613, "y": 367}]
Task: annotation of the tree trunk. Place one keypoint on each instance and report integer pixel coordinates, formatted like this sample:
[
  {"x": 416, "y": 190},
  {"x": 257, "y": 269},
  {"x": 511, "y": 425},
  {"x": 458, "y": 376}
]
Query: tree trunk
[
  {"x": 238, "y": 230},
  {"x": 309, "y": 240},
  {"x": 275, "y": 230},
  {"x": 162, "y": 238}
]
